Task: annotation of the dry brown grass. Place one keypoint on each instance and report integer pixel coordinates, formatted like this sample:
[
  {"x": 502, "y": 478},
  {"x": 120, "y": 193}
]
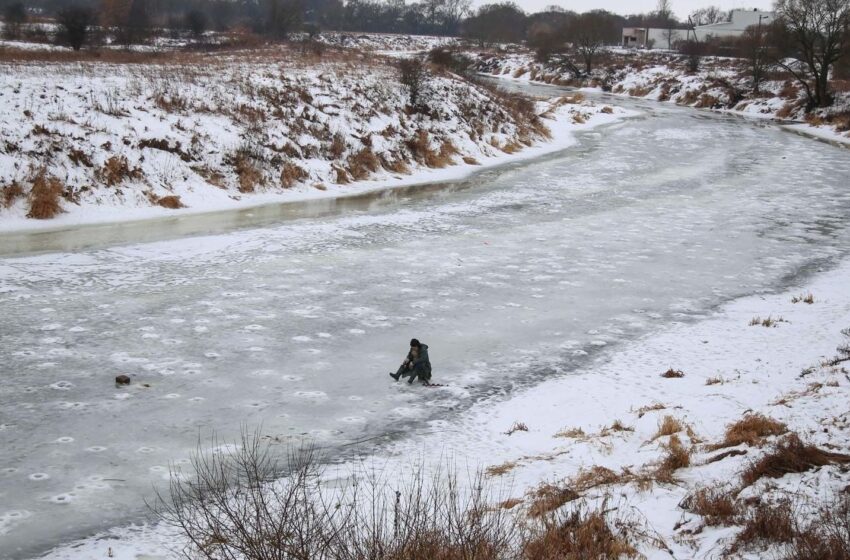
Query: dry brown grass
[
  {"x": 766, "y": 524},
  {"x": 172, "y": 202},
  {"x": 510, "y": 503},
  {"x": 362, "y": 164},
  {"x": 808, "y": 298},
  {"x": 676, "y": 457},
  {"x": 667, "y": 427},
  {"x": 248, "y": 174},
  {"x": 641, "y": 412},
  {"x": 548, "y": 498},
  {"x": 768, "y": 322},
  {"x": 581, "y": 535},
  {"x": 790, "y": 455},
  {"x": 607, "y": 110},
  {"x": 673, "y": 374},
  {"x": 469, "y": 160},
  {"x": 718, "y": 380},
  {"x": 292, "y": 174},
  {"x": 616, "y": 427},
  {"x": 716, "y": 504},
  {"x": 44, "y": 196},
  {"x": 572, "y": 433},
  {"x": 751, "y": 430},
  {"x": 116, "y": 170},
  {"x": 500, "y": 470},
  {"x": 517, "y": 427},
  {"x": 10, "y": 193}
]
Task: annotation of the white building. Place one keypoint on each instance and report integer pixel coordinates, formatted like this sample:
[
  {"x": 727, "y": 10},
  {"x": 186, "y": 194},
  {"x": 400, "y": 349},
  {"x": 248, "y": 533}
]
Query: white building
[{"x": 738, "y": 22}]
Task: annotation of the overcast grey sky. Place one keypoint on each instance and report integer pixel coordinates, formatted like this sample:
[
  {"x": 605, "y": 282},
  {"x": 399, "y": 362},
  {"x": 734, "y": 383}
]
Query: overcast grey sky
[{"x": 681, "y": 7}]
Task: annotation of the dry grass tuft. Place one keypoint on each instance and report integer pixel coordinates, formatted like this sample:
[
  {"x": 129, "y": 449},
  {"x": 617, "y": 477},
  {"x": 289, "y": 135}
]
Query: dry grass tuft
[
  {"x": 248, "y": 173},
  {"x": 750, "y": 430},
  {"x": 717, "y": 505},
  {"x": 573, "y": 433},
  {"x": 766, "y": 524},
  {"x": 808, "y": 298},
  {"x": 172, "y": 202},
  {"x": 116, "y": 170},
  {"x": 673, "y": 374},
  {"x": 790, "y": 455},
  {"x": 548, "y": 498},
  {"x": 10, "y": 193},
  {"x": 718, "y": 380},
  {"x": 500, "y": 470},
  {"x": 581, "y": 536},
  {"x": 469, "y": 160},
  {"x": 768, "y": 322},
  {"x": 677, "y": 457},
  {"x": 649, "y": 408},
  {"x": 517, "y": 427},
  {"x": 667, "y": 427},
  {"x": 44, "y": 196},
  {"x": 291, "y": 174},
  {"x": 510, "y": 503},
  {"x": 617, "y": 426},
  {"x": 362, "y": 164}
]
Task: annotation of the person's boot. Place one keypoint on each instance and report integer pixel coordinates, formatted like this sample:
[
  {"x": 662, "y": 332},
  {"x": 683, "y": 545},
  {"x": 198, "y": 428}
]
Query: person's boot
[{"x": 395, "y": 375}]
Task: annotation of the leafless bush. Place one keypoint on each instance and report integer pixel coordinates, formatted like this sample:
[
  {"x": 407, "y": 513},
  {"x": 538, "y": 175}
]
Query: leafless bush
[
  {"x": 249, "y": 504},
  {"x": 414, "y": 77},
  {"x": 10, "y": 193},
  {"x": 44, "y": 196},
  {"x": 716, "y": 504},
  {"x": 116, "y": 170}
]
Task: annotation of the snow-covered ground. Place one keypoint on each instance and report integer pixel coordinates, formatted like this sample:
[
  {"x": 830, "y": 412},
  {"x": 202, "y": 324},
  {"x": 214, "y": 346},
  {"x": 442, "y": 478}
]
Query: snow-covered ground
[
  {"x": 720, "y": 84},
  {"x": 226, "y": 131},
  {"x": 590, "y": 271}
]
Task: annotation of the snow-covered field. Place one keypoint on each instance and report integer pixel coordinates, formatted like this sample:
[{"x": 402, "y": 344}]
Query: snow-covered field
[
  {"x": 125, "y": 141},
  {"x": 720, "y": 84}
]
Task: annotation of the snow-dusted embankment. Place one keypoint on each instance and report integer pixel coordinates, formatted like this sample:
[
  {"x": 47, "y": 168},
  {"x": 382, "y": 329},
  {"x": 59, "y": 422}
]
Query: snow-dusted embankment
[
  {"x": 102, "y": 142},
  {"x": 720, "y": 83}
]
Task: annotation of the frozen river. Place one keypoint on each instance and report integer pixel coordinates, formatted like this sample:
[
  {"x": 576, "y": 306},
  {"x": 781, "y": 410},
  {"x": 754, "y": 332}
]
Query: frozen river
[{"x": 515, "y": 275}]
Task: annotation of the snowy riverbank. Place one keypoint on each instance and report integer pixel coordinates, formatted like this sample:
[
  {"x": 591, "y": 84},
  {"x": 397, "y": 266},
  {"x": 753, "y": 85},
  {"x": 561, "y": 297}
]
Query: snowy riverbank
[
  {"x": 720, "y": 84},
  {"x": 115, "y": 142},
  {"x": 602, "y": 432}
]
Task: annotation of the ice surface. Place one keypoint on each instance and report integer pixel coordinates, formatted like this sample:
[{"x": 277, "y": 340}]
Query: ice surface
[{"x": 528, "y": 273}]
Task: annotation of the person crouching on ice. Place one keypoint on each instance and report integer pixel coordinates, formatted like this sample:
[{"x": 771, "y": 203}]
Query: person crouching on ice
[{"x": 416, "y": 365}]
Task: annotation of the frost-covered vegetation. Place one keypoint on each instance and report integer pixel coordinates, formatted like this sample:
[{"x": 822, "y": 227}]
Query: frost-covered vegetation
[
  {"x": 191, "y": 129},
  {"x": 717, "y": 83}
]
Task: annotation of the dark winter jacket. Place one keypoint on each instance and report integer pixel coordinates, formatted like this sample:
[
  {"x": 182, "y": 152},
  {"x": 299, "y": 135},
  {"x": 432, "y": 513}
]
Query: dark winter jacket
[{"x": 421, "y": 362}]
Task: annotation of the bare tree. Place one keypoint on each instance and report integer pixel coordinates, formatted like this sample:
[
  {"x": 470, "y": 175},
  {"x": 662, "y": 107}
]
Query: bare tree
[
  {"x": 588, "y": 33},
  {"x": 758, "y": 54},
  {"x": 664, "y": 10},
  {"x": 74, "y": 23},
  {"x": 14, "y": 16},
  {"x": 671, "y": 35},
  {"x": 821, "y": 31},
  {"x": 709, "y": 16},
  {"x": 413, "y": 76}
]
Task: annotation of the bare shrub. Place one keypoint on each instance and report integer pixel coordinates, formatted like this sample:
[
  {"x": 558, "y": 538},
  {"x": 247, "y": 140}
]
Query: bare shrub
[
  {"x": 673, "y": 374},
  {"x": 79, "y": 157},
  {"x": 548, "y": 498},
  {"x": 750, "y": 430},
  {"x": 500, "y": 470},
  {"x": 767, "y": 322},
  {"x": 290, "y": 174},
  {"x": 827, "y": 537},
  {"x": 716, "y": 504},
  {"x": 10, "y": 193},
  {"x": 581, "y": 535},
  {"x": 766, "y": 524},
  {"x": 171, "y": 202},
  {"x": 44, "y": 196},
  {"x": 116, "y": 170},
  {"x": 790, "y": 455},
  {"x": 414, "y": 77},
  {"x": 362, "y": 164}
]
